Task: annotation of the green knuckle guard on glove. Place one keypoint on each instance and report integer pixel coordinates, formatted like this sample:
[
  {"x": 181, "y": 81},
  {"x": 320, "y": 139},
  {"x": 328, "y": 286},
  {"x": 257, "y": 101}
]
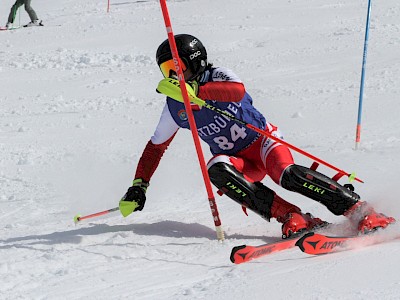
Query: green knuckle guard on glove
[
  {"x": 135, "y": 197},
  {"x": 195, "y": 86},
  {"x": 170, "y": 87}
]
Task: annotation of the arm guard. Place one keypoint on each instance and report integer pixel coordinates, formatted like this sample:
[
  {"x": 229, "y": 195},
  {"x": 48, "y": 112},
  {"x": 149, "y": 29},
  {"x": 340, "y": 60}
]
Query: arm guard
[
  {"x": 224, "y": 91},
  {"x": 150, "y": 159}
]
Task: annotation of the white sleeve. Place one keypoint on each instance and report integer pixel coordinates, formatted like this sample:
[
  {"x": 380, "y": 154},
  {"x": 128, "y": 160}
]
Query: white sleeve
[
  {"x": 166, "y": 127},
  {"x": 224, "y": 74}
]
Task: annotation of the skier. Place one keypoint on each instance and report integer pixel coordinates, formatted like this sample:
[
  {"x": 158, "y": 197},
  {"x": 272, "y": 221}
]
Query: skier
[
  {"x": 32, "y": 14},
  {"x": 242, "y": 158}
]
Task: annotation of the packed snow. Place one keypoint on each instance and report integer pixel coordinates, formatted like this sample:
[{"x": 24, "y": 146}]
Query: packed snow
[{"x": 78, "y": 105}]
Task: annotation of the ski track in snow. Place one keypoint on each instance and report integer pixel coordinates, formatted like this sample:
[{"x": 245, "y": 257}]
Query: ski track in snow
[{"x": 78, "y": 105}]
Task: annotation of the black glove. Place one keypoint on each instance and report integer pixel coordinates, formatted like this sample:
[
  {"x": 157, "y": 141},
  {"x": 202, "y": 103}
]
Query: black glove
[
  {"x": 136, "y": 194},
  {"x": 135, "y": 197}
]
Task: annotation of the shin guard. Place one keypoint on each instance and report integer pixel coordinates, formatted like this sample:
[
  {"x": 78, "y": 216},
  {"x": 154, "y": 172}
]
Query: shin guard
[
  {"x": 337, "y": 198},
  {"x": 254, "y": 196}
]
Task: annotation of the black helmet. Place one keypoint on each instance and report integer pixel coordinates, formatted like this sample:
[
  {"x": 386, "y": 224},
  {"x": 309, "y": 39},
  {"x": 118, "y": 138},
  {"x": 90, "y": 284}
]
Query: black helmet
[{"x": 192, "y": 53}]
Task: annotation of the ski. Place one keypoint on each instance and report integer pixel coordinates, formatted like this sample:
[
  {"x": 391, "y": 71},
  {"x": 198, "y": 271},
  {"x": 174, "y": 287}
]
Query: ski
[
  {"x": 6, "y": 29},
  {"x": 245, "y": 253},
  {"x": 317, "y": 244},
  {"x": 11, "y": 28},
  {"x": 24, "y": 26}
]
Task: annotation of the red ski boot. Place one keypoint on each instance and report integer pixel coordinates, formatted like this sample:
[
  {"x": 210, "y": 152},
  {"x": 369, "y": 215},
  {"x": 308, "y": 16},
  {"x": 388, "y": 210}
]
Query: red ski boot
[
  {"x": 293, "y": 220},
  {"x": 368, "y": 219},
  {"x": 297, "y": 223}
]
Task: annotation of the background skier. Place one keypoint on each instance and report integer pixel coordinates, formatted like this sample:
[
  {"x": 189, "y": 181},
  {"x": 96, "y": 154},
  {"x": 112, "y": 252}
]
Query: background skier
[{"x": 32, "y": 14}]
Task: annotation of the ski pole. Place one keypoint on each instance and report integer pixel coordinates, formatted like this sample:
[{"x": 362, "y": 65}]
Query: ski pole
[
  {"x": 193, "y": 127},
  {"x": 14, "y": 15},
  {"x": 79, "y": 218},
  {"x": 169, "y": 87},
  {"x": 276, "y": 139},
  {"x": 360, "y": 101}
]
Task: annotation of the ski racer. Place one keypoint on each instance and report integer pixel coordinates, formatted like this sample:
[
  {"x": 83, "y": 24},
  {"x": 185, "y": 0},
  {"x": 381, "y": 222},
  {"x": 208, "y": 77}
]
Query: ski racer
[{"x": 241, "y": 157}]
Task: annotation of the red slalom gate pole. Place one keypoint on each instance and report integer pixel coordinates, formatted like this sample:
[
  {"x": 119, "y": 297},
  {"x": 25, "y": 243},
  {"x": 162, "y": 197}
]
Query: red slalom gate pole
[
  {"x": 192, "y": 123},
  {"x": 108, "y": 6}
]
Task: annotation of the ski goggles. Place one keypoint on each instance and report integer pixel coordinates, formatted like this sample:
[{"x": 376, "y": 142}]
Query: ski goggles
[{"x": 168, "y": 67}]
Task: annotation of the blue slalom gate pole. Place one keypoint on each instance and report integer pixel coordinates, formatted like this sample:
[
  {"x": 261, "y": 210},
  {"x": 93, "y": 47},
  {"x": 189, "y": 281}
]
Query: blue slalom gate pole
[{"x": 360, "y": 101}]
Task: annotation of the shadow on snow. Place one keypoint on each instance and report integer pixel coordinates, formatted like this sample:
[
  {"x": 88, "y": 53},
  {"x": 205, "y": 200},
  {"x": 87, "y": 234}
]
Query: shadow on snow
[{"x": 172, "y": 229}]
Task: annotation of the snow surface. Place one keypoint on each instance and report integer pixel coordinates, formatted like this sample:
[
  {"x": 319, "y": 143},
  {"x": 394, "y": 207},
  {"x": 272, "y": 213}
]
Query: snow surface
[{"x": 78, "y": 104}]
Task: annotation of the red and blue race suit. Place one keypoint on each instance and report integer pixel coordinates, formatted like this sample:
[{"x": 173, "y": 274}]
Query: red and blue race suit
[{"x": 252, "y": 154}]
